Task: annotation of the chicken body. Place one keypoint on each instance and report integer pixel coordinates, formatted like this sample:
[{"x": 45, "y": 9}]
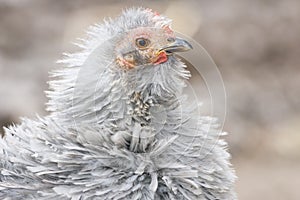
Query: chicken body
[{"x": 119, "y": 126}]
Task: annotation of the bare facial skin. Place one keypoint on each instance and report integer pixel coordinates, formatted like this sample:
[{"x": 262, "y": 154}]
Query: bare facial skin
[{"x": 148, "y": 46}]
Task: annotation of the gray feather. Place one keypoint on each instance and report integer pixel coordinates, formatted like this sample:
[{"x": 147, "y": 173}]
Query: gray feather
[{"x": 115, "y": 134}]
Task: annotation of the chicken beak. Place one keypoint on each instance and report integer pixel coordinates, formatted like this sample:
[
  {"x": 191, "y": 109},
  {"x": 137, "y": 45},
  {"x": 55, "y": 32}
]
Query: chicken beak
[{"x": 177, "y": 45}]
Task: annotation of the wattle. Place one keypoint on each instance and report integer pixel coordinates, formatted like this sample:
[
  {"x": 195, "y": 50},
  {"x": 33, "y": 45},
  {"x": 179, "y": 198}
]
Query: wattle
[{"x": 161, "y": 58}]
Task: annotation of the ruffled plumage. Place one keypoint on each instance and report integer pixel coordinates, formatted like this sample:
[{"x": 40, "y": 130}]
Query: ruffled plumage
[{"x": 116, "y": 134}]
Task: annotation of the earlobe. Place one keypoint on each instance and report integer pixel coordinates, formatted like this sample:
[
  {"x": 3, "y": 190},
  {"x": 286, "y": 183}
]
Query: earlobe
[{"x": 126, "y": 64}]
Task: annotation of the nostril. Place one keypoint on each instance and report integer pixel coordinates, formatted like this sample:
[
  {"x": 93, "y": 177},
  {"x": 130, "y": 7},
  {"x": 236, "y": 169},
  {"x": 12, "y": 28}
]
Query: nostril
[{"x": 171, "y": 39}]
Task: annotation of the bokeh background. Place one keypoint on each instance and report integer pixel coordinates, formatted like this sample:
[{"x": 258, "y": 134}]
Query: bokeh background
[{"x": 256, "y": 45}]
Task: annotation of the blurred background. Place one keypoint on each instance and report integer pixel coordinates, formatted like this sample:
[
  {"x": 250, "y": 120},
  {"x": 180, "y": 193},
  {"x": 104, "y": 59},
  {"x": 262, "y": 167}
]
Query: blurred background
[{"x": 256, "y": 45}]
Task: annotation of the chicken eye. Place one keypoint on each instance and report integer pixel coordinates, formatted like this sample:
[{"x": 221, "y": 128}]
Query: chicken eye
[{"x": 142, "y": 42}]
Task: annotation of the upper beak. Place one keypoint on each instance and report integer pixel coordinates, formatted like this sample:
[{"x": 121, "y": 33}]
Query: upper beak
[{"x": 178, "y": 45}]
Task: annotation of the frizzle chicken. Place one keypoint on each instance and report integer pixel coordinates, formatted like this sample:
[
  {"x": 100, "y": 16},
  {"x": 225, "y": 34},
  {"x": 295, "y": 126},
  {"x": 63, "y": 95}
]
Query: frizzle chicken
[{"x": 119, "y": 126}]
